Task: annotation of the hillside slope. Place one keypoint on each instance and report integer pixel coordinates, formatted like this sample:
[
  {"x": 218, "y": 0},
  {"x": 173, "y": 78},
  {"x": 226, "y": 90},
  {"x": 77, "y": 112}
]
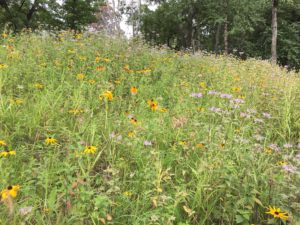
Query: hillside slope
[{"x": 96, "y": 130}]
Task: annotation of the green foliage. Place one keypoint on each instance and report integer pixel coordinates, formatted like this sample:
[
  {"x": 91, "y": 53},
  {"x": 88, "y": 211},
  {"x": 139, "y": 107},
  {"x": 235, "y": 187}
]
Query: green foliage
[{"x": 209, "y": 160}]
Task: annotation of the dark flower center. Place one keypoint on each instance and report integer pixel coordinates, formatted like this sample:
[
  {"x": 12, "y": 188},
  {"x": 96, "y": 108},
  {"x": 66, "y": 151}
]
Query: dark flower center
[
  {"x": 9, "y": 187},
  {"x": 276, "y": 213}
]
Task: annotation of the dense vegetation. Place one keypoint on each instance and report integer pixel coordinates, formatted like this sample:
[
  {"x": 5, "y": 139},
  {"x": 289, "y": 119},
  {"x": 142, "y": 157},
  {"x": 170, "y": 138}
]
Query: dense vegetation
[
  {"x": 96, "y": 130},
  {"x": 239, "y": 27}
]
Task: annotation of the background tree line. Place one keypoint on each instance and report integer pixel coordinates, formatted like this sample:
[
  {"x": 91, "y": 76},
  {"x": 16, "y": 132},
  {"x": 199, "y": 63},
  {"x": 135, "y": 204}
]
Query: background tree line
[{"x": 240, "y": 27}]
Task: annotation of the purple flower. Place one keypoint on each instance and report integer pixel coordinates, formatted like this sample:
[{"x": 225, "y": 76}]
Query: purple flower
[
  {"x": 274, "y": 147},
  {"x": 215, "y": 109},
  {"x": 228, "y": 96},
  {"x": 287, "y": 145},
  {"x": 147, "y": 143},
  {"x": 253, "y": 111},
  {"x": 289, "y": 168},
  {"x": 197, "y": 95},
  {"x": 267, "y": 115},
  {"x": 297, "y": 155},
  {"x": 245, "y": 115},
  {"x": 258, "y": 137},
  {"x": 238, "y": 101},
  {"x": 256, "y": 120},
  {"x": 212, "y": 92}
]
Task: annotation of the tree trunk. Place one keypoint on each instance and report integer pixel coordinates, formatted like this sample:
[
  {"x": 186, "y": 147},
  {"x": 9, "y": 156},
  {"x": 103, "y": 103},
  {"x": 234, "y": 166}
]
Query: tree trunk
[
  {"x": 226, "y": 28},
  {"x": 217, "y": 39},
  {"x": 274, "y": 31}
]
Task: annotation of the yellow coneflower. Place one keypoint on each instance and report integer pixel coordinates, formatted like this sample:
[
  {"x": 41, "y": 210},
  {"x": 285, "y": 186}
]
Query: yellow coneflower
[
  {"x": 131, "y": 134},
  {"x": 276, "y": 212},
  {"x": 200, "y": 145},
  {"x": 201, "y": 109},
  {"x": 80, "y": 76},
  {"x": 236, "y": 89},
  {"x": 3, "y": 66},
  {"x": 7, "y": 153},
  {"x": 152, "y": 104},
  {"x": 133, "y": 121},
  {"x": 2, "y": 143},
  {"x": 126, "y": 68},
  {"x": 10, "y": 191},
  {"x": 92, "y": 81},
  {"x": 268, "y": 150},
  {"x": 39, "y": 86},
  {"x": 108, "y": 95},
  {"x": 76, "y": 111},
  {"x": 163, "y": 110},
  {"x": 202, "y": 85},
  {"x": 133, "y": 90},
  {"x": 90, "y": 150},
  {"x": 100, "y": 68},
  {"x": 50, "y": 141}
]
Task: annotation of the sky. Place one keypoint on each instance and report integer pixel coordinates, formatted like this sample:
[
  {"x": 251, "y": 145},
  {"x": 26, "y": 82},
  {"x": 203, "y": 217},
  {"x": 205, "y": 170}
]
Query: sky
[{"x": 124, "y": 26}]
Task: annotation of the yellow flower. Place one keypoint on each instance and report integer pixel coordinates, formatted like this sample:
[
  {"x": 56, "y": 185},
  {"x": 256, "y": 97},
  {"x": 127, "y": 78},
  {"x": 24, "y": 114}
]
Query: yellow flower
[
  {"x": 126, "y": 68},
  {"x": 92, "y": 81},
  {"x": 277, "y": 213},
  {"x": 201, "y": 109},
  {"x": 163, "y": 110},
  {"x": 131, "y": 134},
  {"x": 3, "y": 66},
  {"x": 133, "y": 121},
  {"x": 76, "y": 111},
  {"x": 19, "y": 101},
  {"x": 182, "y": 143},
  {"x": 133, "y": 90},
  {"x": 236, "y": 89},
  {"x": 127, "y": 193},
  {"x": 281, "y": 163},
  {"x": 39, "y": 86},
  {"x": 2, "y": 143},
  {"x": 200, "y": 145},
  {"x": 268, "y": 151},
  {"x": 10, "y": 191},
  {"x": 50, "y": 141},
  {"x": 90, "y": 150},
  {"x": 80, "y": 76},
  {"x": 108, "y": 95},
  {"x": 7, "y": 153},
  {"x": 143, "y": 71},
  {"x": 202, "y": 85},
  {"x": 4, "y": 35},
  {"x": 100, "y": 68},
  {"x": 152, "y": 104}
]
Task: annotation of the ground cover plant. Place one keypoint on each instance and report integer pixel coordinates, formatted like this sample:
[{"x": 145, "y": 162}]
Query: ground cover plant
[{"x": 98, "y": 130}]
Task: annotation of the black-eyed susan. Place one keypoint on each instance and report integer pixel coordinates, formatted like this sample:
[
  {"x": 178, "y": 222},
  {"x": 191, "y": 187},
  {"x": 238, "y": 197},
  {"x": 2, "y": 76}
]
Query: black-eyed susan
[
  {"x": 163, "y": 110},
  {"x": 38, "y": 86},
  {"x": 100, "y": 68},
  {"x": 276, "y": 212},
  {"x": 133, "y": 121},
  {"x": 200, "y": 145},
  {"x": 2, "y": 143},
  {"x": 90, "y": 150},
  {"x": 107, "y": 95},
  {"x": 133, "y": 90},
  {"x": 131, "y": 134},
  {"x": 50, "y": 141},
  {"x": 10, "y": 191},
  {"x": 236, "y": 89},
  {"x": 152, "y": 104},
  {"x": 92, "y": 81},
  {"x": 3, "y": 66},
  {"x": 7, "y": 153},
  {"x": 203, "y": 85},
  {"x": 80, "y": 76}
]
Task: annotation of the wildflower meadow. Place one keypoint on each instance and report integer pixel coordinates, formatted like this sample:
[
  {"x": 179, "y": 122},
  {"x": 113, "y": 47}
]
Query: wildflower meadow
[{"x": 100, "y": 130}]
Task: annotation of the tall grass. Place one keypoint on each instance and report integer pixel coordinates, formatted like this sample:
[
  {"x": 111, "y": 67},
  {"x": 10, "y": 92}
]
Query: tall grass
[{"x": 219, "y": 144}]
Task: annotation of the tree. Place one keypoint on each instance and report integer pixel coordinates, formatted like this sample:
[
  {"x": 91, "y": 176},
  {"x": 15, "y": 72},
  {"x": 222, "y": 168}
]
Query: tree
[{"x": 274, "y": 31}]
